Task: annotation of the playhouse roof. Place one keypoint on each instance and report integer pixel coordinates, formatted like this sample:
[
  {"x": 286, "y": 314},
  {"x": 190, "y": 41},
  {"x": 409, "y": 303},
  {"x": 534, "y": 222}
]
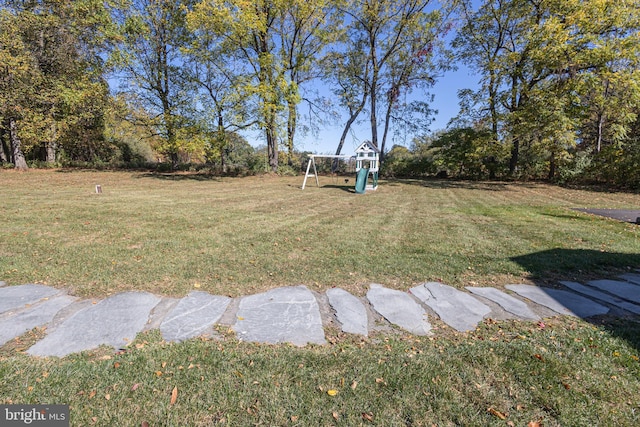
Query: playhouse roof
[{"x": 367, "y": 146}]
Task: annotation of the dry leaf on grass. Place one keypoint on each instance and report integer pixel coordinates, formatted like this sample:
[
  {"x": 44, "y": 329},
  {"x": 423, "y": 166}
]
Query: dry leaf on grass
[
  {"x": 497, "y": 413},
  {"x": 174, "y": 396}
]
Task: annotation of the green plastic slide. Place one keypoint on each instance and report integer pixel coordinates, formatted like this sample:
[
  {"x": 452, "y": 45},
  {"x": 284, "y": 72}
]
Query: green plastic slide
[{"x": 361, "y": 180}]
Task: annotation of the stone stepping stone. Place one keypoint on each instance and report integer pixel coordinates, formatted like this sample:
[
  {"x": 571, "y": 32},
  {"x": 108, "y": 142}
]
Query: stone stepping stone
[
  {"x": 631, "y": 277},
  {"x": 114, "y": 321},
  {"x": 14, "y": 297},
  {"x": 350, "y": 311},
  {"x": 562, "y": 302},
  {"x": 289, "y": 314},
  {"x": 35, "y": 316},
  {"x": 507, "y": 302},
  {"x": 400, "y": 309},
  {"x": 193, "y": 316},
  {"x": 608, "y": 298},
  {"x": 457, "y": 309},
  {"x": 624, "y": 290}
]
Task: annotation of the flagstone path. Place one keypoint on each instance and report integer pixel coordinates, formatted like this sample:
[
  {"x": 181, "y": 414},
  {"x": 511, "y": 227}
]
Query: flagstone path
[{"x": 294, "y": 314}]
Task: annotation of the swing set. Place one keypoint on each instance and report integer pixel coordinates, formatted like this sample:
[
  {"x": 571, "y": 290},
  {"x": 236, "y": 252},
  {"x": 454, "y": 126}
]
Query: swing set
[{"x": 366, "y": 160}]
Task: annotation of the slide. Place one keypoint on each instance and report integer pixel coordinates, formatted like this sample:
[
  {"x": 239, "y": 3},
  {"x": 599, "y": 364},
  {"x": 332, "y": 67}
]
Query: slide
[{"x": 361, "y": 180}]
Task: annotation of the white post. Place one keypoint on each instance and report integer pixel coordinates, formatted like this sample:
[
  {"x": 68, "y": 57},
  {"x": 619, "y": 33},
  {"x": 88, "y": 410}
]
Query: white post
[{"x": 315, "y": 172}]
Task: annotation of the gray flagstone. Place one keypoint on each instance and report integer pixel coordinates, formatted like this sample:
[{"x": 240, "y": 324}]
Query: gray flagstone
[
  {"x": 507, "y": 302},
  {"x": 193, "y": 316},
  {"x": 289, "y": 314},
  {"x": 457, "y": 309},
  {"x": 562, "y": 302},
  {"x": 114, "y": 321},
  {"x": 631, "y": 277},
  {"x": 400, "y": 309},
  {"x": 35, "y": 316},
  {"x": 608, "y": 298},
  {"x": 624, "y": 290},
  {"x": 350, "y": 311},
  {"x": 21, "y": 295}
]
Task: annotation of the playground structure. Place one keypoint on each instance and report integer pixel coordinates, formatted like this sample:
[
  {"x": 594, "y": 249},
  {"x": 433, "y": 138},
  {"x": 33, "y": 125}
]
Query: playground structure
[{"x": 367, "y": 160}]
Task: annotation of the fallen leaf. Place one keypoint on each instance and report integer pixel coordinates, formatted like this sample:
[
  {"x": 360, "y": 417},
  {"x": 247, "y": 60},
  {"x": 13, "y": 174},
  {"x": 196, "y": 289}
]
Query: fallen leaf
[
  {"x": 116, "y": 365},
  {"x": 538, "y": 356},
  {"x": 92, "y": 394},
  {"x": 135, "y": 386},
  {"x": 174, "y": 396},
  {"x": 367, "y": 417},
  {"x": 332, "y": 392},
  {"x": 497, "y": 413},
  {"x": 354, "y": 384},
  {"x": 534, "y": 424},
  {"x": 107, "y": 396},
  {"x": 566, "y": 386},
  {"x": 164, "y": 365},
  {"x": 335, "y": 415},
  {"x": 294, "y": 418},
  {"x": 144, "y": 424}
]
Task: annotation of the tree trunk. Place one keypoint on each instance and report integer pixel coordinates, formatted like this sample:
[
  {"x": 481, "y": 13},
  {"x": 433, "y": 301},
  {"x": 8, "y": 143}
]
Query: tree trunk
[
  {"x": 352, "y": 118},
  {"x": 51, "y": 146},
  {"x": 3, "y": 151},
  {"x": 387, "y": 121},
  {"x": 515, "y": 153},
  {"x": 600, "y": 127},
  {"x": 552, "y": 166},
  {"x": 16, "y": 146},
  {"x": 272, "y": 144},
  {"x": 291, "y": 129}
]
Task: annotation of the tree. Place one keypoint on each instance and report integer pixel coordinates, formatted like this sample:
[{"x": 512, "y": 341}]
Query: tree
[
  {"x": 538, "y": 63},
  {"x": 306, "y": 29},
  {"x": 398, "y": 37},
  {"x": 248, "y": 33},
  {"x": 349, "y": 72},
  {"x": 60, "y": 44},
  {"x": 154, "y": 32},
  {"x": 16, "y": 71}
]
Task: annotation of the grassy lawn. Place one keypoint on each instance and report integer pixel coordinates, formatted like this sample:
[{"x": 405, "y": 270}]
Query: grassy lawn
[{"x": 169, "y": 234}]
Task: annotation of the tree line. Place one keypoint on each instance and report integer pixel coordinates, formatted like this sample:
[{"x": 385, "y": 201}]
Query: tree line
[{"x": 180, "y": 81}]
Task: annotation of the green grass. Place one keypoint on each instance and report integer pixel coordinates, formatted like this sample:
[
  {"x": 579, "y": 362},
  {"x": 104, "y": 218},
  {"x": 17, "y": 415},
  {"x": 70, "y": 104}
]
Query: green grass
[
  {"x": 169, "y": 233},
  {"x": 568, "y": 373}
]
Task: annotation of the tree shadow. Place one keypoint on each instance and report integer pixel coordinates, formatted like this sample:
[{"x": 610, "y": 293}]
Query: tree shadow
[
  {"x": 447, "y": 184},
  {"x": 549, "y": 268},
  {"x": 345, "y": 188},
  {"x": 179, "y": 176}
]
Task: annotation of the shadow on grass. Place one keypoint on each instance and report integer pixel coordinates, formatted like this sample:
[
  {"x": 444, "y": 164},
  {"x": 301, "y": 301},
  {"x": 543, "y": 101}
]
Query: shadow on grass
[
  {"x": 179, "y": 176},
  {"x": 582, "y": 265},
  {"x": 448, "y": 184},
  {"x": 575, "y": 262}
]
